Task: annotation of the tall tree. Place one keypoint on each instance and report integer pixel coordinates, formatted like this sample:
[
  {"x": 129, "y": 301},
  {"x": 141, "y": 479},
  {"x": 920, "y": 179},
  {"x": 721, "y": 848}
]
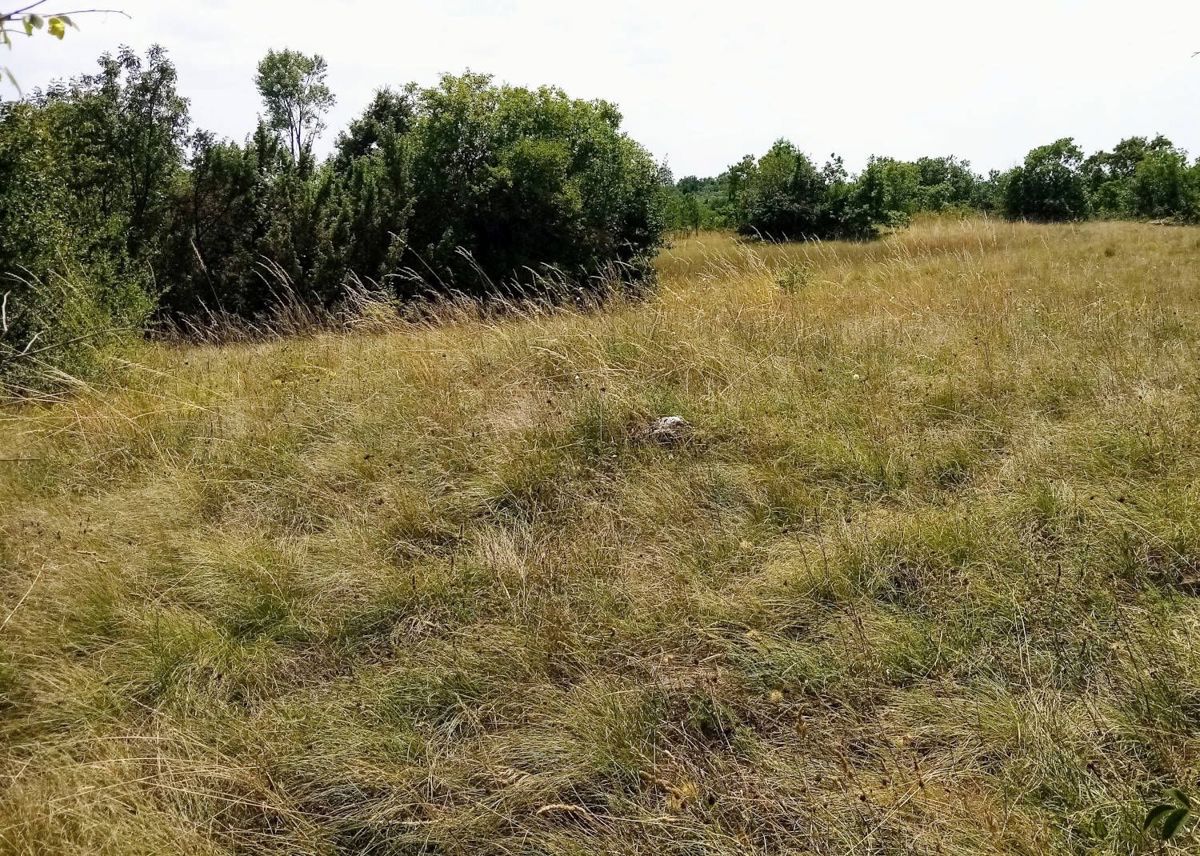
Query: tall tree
[
  {"x": 119, "y": 138},
  {"x": 293, "y": 89},
  {"x": 1049, "y": 185}
]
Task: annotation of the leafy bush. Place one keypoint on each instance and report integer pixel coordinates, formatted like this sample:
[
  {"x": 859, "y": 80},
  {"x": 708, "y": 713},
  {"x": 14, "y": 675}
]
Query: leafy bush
[
  {"x": 1109, "y": 174},
  {"x": 783, "y": 195},
  {"x": 1049, "y": 185},
  {"x": 1144, "y": 178},
  {"x": 946, "y": 183},
  {"x": 218, "y": 227},
  {"x": 1163, "y": 186},
  {"x": 85, "y": 170},
  {"x": 465, "y": 186},
  {"x": 525, "y": 179}
]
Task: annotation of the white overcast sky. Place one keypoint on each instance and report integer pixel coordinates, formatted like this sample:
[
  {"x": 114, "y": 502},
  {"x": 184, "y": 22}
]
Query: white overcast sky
[{"x": 702, "y": 83}]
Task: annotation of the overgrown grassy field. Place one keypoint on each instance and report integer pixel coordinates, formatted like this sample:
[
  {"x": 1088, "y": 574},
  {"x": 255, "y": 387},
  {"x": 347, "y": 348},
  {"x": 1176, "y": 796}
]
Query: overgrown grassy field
[{"x": 923, "y": 578}]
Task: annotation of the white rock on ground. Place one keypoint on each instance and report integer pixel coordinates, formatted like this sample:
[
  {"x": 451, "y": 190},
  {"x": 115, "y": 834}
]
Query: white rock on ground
[{"x": 668, "y": 430}]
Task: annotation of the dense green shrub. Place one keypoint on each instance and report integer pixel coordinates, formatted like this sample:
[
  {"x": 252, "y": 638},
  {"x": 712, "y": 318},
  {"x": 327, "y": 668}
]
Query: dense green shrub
[
  {"x": 1165, "y": 186},
  {"x": 85, "y": 175},
  {"x": 784, "y": 196},
  {"x": 525, "y": 180},
  {"x": 467, "y": 186},
  {"x": 926, "y": 184},
  {"x": 34, "y": 234},
  {"x": 464, "y": 186},
  {"x": 947, "y": 183},
  {"x": 63, "y": 296},
  {"x": 232, "y": 211},
  {"x": 34, "y": 239},
  {"x": 1109, "y": 174},
  {"x": 1049, "y": 185},
  {"x": 372, "y": 195}
]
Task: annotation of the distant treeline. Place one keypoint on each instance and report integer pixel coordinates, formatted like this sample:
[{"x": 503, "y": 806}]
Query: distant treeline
[
  {"x": 114, "y": 211},
  {"x": 784, "y": 195}
]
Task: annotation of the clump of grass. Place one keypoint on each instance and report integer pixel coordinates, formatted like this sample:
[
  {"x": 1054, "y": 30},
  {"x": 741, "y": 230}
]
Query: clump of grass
[
  {"x": 923, "y": 578},
  {"x": 794, "y": 277}
]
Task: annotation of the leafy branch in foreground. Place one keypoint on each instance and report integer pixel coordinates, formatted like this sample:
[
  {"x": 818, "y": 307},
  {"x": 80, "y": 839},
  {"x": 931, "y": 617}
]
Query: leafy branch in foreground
[{"x": 26, "y": 21}]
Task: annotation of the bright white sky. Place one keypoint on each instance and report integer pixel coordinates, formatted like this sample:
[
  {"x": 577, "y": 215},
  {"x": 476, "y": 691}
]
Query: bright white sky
[{"x": 701, "y": 83}]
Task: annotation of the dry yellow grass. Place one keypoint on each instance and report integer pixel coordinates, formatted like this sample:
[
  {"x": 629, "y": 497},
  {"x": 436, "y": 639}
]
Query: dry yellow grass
[{"x": 922, "y": 580}]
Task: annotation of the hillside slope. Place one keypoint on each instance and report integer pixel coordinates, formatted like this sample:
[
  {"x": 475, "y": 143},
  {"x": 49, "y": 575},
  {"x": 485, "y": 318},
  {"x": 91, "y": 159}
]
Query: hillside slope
[{"x": 922, "y": 576}]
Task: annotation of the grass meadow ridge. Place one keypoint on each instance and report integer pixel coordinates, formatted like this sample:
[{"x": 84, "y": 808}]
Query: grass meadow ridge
[{"x": 922, "y": 578}]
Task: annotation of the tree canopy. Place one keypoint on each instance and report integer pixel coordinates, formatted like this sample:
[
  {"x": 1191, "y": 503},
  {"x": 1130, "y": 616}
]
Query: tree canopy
[{"x": 295, "y": 95}]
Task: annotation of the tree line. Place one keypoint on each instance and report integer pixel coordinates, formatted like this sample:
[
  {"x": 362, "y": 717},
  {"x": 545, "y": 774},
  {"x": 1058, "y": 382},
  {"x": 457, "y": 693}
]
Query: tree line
[
  {"x": 115, "y": 211},
  {"x": 114, "y": 208},
  {"x": 784, "y": 195}
]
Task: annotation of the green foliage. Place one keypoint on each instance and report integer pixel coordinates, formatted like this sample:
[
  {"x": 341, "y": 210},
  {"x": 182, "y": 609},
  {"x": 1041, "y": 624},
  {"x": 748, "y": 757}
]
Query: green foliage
[
  {"x": 527, "y": 180},
  {"x": 219, "y": 222},
  {"x": 62, "y": 295},
  {"x": 125, "y": 141},
  {"x": 784, "y": 195},
  {"x": 1144, "y": 179},
  {"x": 899, "y": 189},
  {"x": 893, "y": 185},
  {"x": 296, "y": 97},
  {"x": 85, "y": 176},
  {"x": 1049, "y": 186},
  {"x": 695, "y": 204},
  {"x": 372, "y": 186},
  {"x": 465, "y": 185},
  {"x": 33, "y": 234},
  {"x": 1110, "y": 174},
  {"x": 112, "y": 142},
  {"x": 946, "y": 183},
  {"x": 1169, "y": 817},
  {"x": 1164, "y": 186}
]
